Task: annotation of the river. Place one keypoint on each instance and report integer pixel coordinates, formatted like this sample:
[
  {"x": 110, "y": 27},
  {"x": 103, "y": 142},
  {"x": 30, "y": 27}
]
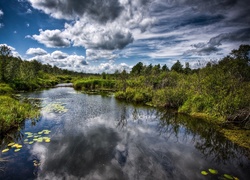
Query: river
[{"x": 80, "y": 136}]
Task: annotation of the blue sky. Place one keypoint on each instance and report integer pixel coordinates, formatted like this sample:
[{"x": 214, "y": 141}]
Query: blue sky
[{"x": 105, "y": 35}]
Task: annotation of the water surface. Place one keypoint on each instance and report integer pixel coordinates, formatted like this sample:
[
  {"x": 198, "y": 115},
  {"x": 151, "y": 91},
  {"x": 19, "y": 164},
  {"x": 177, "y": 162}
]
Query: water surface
[{"x": 98, "y": 137}]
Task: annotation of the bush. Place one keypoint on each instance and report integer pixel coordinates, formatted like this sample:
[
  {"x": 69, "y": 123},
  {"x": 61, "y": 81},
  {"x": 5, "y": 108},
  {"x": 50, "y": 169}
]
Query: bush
[
  {"x": 12, "y": 113},
  {"x": 5, "y": 89}
]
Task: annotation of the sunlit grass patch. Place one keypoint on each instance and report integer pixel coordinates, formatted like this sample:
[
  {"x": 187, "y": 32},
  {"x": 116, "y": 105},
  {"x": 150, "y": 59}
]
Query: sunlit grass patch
[{"x": 13, "y": 112}]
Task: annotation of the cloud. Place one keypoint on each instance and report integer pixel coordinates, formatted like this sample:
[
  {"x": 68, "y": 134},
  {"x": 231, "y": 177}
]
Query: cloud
[
  {"x": 36, "y": 51},
  {"x": 96, "y": 36},
  {"x": 14, "y": 53},
  {"x": 1, "y": 13},
  {"x": 213, "y": 45},
  {"x": 52, "y": 38},
  {"x": 58, "y": 58},
  {"x": 151, "y": 29},
  {"x": 99, "y": 10},
  {"x": 93, "y": 54},
  {"x": 29, "y": 11},
  {"x": 242, "y": 35},
  {"x": 59, "y": 55}
]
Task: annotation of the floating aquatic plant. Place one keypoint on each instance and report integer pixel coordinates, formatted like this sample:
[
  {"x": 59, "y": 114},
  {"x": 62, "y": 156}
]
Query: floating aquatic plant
[
  {"x": 11, "y": 144},
  {"x": 5, "y": 150},
  {"x": 204, "y": 173},
  {"x": 36, "y": 163},
  {"x": 55, "y": 107},
  {"x": 213, "y": 171},
  {"x": 16, "y": 150},
  {"x": 227, "y": 176}
]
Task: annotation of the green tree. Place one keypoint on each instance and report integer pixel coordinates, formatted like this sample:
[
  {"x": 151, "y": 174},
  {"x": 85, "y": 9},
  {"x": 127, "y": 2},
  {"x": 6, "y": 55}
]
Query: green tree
[
  {"x": 4, "y": 55},
  {"x": 178, "y": 67},
  {"x": 165, "y": 68},
  {"x": 187, "y": 69},
  {"x": 137, "y": 69}
]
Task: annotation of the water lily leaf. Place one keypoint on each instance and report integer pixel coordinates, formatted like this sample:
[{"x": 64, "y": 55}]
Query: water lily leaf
[
  {"x": 11, "y": 144},
  {"x": 31, "y": 142},
  {"x": 5, "y": 150},
  {"x": 29, "y": 136},
  {"x": 16, "y": 150},
  {"x": 35, "y": 139},
  {"x": 47, "y": 140},
  {"x": 27, "y": 133},
  {"x": 37, "y": 164},
  {"x": 15, "y": 145},
  {"x": 40, "y": 132},
  {"x": 204, "y": 173},
  {"x": 213, "y": 171},
  {"x": 26, "y": 140},
  {"x": 39, "y": 140},
  {"x": 227, "y": 176},
  {"x": 19, "y": 146}
]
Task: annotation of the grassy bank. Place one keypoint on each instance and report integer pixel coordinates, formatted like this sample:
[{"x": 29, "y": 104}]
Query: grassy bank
[
  {"x": 12, "y": 111},
  {"x": 95, "y": 84}
]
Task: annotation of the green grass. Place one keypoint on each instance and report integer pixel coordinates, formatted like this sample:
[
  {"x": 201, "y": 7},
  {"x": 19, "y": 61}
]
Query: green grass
[{"x": 13, "y": 112}]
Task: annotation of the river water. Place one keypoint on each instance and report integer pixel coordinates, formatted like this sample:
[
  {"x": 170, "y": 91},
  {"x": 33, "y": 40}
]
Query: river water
[{"x": 97, "y": 137}]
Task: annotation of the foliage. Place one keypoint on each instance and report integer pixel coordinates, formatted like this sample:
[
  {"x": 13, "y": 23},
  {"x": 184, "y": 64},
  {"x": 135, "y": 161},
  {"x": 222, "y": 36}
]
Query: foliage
[
  {"x": 219, "y": 90},
  {"x": 94, "y": 84},
  {"x": 13, "y": 112},
  {"x": 5, "y": 89}
]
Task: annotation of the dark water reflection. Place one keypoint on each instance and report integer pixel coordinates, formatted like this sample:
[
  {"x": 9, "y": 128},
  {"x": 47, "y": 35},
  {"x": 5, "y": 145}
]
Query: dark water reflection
[{"x": 101, "y": 138}]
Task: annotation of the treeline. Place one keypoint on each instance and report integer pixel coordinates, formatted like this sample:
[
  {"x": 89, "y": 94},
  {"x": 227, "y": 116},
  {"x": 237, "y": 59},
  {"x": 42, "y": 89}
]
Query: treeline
[
  {"x": 16, "y": 75},
  {"x": 30, "y": 75},
  {"x": 220, "y": 90}
]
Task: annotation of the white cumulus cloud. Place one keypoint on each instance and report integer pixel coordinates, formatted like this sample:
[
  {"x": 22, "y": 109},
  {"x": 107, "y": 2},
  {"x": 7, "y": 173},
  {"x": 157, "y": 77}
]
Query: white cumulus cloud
[
  {"x": 36, "y": 51},
  {"x": 52, "y": 38}
]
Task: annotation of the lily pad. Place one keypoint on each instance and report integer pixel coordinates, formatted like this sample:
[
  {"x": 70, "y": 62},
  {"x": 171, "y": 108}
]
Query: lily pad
[
  {"x": 227, "y": 176},
  {"x": 47, "y": 140},
  {"x": 213, "y": 171},
  {"x": 15, "y": 145},
  {"x": 19, "y": 146},
  {"x": 11, "y": 144},
  {"x": 204, "y": 173},
  {"x": 39, "y": 140},
  {"x": 16, "y": 150},
  {"x": 26, "y": 140},
  {"x": 31, "y": 142},
  {"x": 5, "y": 150}
]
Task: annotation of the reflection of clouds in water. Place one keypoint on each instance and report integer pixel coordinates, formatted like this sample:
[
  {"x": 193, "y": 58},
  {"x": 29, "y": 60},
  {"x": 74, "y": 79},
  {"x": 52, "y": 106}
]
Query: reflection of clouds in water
[
  {"x": 79, "y": 155},
  {"x": 96, "y": 149}
]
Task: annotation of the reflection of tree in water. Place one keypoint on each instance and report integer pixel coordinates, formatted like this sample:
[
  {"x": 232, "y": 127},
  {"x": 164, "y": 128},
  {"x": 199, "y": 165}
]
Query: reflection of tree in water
[
  {"x": 14, "y": 135},
  {"x": 208, "y": 140},
  {"x": 122, "y": 119}
]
